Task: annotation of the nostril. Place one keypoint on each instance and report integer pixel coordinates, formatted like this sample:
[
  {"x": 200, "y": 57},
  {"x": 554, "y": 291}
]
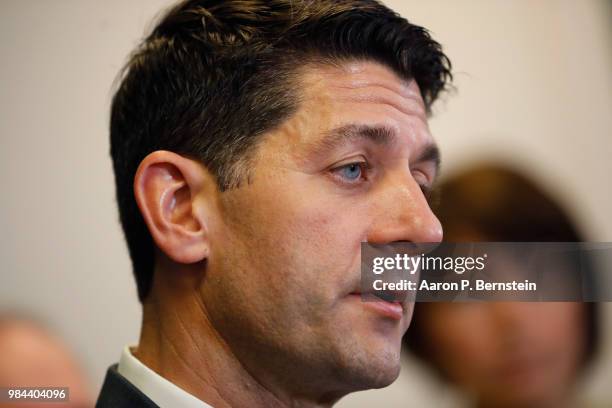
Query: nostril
[{"x": 405, "y": 244}]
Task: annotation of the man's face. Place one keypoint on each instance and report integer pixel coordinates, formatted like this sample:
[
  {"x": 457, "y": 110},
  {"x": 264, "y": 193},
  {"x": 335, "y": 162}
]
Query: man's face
[{"x": 283, "y": 277}]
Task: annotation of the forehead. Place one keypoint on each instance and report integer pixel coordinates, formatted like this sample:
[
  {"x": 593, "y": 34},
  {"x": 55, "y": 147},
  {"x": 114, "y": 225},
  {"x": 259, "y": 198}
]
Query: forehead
[
  {"x": 365, "y": 81},
  {"x": 355, "y": 93}
]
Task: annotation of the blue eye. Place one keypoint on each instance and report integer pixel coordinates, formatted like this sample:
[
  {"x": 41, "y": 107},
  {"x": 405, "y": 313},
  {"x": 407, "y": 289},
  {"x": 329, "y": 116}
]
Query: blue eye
[{"x": 351, "y": 171}]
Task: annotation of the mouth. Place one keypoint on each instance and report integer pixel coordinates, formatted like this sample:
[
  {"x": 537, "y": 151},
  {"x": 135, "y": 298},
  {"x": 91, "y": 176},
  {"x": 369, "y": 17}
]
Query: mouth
[{"x": 381, "y": 303}]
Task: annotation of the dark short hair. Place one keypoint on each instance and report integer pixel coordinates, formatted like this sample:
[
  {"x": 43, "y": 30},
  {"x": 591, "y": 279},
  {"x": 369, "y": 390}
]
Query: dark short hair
[{"x": 213, "y": 75}]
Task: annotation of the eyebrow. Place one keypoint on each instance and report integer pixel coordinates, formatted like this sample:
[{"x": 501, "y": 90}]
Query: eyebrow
[{"x": 380, "y": 135}]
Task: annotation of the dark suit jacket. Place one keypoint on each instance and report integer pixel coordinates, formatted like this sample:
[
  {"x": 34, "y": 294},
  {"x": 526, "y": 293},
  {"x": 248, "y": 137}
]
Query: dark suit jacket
[{"x": 117, "y": 392}]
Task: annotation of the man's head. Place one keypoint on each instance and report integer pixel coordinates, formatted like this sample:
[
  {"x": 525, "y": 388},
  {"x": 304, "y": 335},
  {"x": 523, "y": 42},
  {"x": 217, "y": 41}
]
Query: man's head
[{"x": 256, "y": 144}]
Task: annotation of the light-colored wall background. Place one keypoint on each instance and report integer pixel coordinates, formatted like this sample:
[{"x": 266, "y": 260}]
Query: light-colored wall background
[{"x": 534, "y": 87}]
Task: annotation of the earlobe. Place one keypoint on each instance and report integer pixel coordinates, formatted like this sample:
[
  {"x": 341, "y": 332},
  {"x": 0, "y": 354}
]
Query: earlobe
[{"x": 165, "y": 187}]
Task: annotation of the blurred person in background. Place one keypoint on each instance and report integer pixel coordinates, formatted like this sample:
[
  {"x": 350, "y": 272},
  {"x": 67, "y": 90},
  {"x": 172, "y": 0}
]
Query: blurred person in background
[
  {"x": 505, "y": 354},
  {"x": 31, "y": 356}
]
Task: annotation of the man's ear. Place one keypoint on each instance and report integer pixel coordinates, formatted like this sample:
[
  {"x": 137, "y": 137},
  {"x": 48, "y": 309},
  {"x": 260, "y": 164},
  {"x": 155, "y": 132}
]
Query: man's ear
[{"x": 166, "y": 187}]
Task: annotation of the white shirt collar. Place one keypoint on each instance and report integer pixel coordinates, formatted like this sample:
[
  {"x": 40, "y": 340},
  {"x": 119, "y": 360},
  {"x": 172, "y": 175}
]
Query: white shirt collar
[{"x": 159, "y": 390}]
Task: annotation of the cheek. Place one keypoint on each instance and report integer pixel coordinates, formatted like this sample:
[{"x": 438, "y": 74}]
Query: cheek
[
  {"x": 313, "y": 219},
  {"x": 319, "y": 244},
  {"x": 296, "y": 239}
]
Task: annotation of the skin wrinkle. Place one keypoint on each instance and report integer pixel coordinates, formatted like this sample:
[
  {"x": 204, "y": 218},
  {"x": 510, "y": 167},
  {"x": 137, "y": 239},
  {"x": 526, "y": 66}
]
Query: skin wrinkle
[
  {"x": 344, "y": 135},
  {"x": 405, "y": 94},
  {"x": 217, "y": 334},
  {"x": 188, "y": 332},
  {"x": 173, "y": 350},
  {"x": 408, "y": 106},
  {"x": 379, "y": 135},
  {"x": 209, "y": 380},
  {"x": 178, "y": 355},
  {"x": 403, "y": 91},
  {"x": 164, "y": 338},
  {"x": 359, "y": 78},
  {"x": 419, "y": 113},
  {"x": 168, "y": 340}
]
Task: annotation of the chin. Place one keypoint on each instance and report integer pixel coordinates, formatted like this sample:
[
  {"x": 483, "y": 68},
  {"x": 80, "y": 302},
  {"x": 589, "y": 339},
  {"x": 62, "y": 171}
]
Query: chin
[
  {"x": 365, "y": 348},
  {"x": 385, "y": 378},
  {"x": 375, "y": 369},
  {"x": 374, "y": 378}
]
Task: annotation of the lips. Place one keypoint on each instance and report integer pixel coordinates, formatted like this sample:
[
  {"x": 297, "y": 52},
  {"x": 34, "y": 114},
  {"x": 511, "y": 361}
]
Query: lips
[
  {"x": 384, "y": 304},
  {"x": 391, "y": 296}
]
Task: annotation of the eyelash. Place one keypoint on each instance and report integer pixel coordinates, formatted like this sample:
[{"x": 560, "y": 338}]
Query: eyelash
[
  {"x": 428, "y": 192},
  {"x": 364, "y": 166}
]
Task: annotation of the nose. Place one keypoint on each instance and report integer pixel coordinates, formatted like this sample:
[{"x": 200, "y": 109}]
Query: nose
[{"x": 402, "y": 213}]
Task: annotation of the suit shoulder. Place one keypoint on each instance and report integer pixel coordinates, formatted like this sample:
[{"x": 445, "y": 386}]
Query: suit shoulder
[{"x": 118, "y": 392}]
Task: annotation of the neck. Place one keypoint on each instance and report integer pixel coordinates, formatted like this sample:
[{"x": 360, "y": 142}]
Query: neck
[{"x": 179, "y": 343}]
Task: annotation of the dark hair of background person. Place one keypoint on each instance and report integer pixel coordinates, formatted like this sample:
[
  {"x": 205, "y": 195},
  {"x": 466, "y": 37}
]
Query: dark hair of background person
[
  {"x": 500, "y": 205},
  {"x": 214, "y": 75}
]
